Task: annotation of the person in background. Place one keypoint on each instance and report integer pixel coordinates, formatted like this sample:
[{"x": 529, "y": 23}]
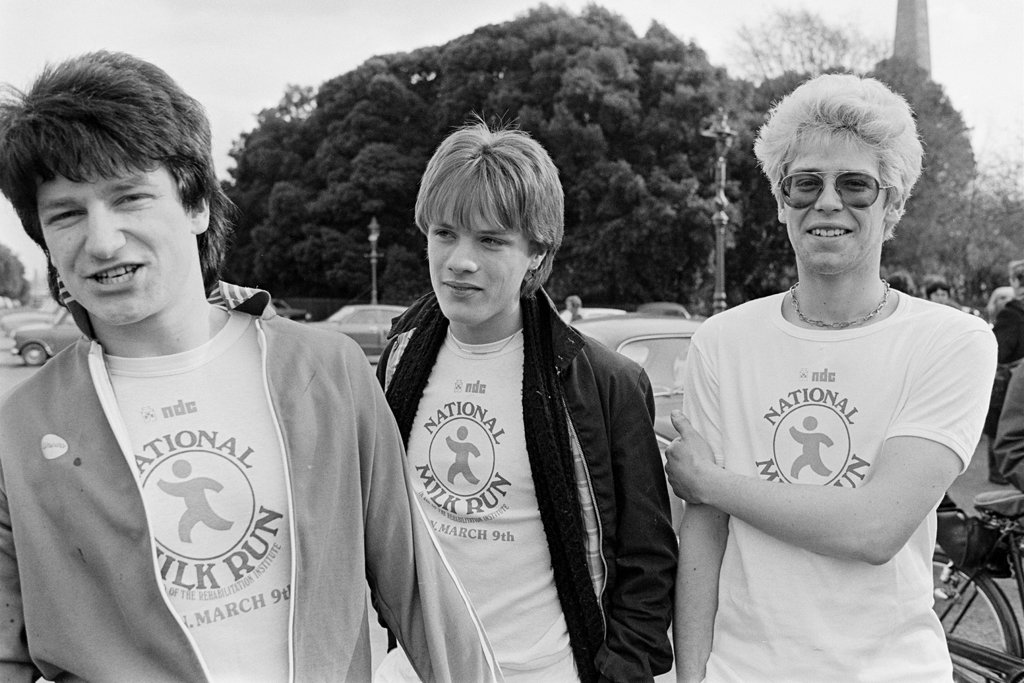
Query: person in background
[
  {"x": 937, "y": 289},
  {"x": 1000, "y": 297},
  {"x": 531, "y": 446},
  {"x": 822, "y": 425},
  {"x": 1009, "y": 439},
  {"x": 197, "y": 489},
  {"x": 902, "y": 281},
  {"x": 1008, "y": 328},
  {"x": 1009, "y": 323},
  {"x": 572, "y": 309}
]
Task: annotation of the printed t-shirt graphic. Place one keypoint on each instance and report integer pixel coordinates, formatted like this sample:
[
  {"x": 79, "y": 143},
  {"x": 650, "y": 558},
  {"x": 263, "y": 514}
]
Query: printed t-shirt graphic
[
  {"x": 468, "y": 459},
  {"x": 212, "y": 474}
]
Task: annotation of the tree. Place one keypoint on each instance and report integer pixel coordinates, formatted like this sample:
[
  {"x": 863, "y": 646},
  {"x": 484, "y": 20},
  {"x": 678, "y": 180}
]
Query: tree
[
  {"x": 802, "y": 42},
  {"x": 271, "y": 152},
  {"x": 994, "y": 214},
  {"x": 12, "y": 275},
  {"x": 933, "y": 235},
  {"x": 619, "y": 114}
]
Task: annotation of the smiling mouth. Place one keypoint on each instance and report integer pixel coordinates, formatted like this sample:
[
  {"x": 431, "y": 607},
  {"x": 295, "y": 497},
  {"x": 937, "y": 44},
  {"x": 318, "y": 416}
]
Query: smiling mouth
[
  {"x": 115, "y": 275},
  {"x": 829, "y": 232}
]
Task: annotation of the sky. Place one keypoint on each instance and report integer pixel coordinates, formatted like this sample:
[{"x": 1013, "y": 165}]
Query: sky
[{"x": 238, "y": 56}]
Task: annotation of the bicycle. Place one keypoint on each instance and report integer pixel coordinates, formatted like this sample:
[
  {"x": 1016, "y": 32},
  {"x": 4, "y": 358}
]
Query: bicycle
[{"x": 982, "y": 629}]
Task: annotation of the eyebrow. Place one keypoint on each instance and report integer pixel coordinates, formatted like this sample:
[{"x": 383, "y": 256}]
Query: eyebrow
[
  {"x": 57, "y": 203},
  {"x": 130, "y": 181},
  {"x": 478, "y": 231},
  {"x": 120, "y": 185}
]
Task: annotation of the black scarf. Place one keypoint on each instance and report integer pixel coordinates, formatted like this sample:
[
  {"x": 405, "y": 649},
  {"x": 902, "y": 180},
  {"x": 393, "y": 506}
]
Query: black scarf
[{"x": 547, "y": 444}]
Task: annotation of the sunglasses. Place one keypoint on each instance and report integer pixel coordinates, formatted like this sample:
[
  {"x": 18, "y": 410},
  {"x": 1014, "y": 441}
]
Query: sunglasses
[{"x": 857, "y": 190}]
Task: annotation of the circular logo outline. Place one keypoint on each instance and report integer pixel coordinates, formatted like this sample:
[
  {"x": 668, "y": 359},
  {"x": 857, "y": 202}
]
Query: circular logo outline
[
  {"x": 785, "y": 473},
  {"x": 178, "y": 456}
]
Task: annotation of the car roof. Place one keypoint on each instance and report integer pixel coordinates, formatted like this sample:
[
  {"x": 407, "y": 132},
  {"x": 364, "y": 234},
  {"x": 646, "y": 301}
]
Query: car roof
[
  {"x": 361, "y": 307},
  {"x": 663, "y": 308},
  {"x": 613, "y": 330}
]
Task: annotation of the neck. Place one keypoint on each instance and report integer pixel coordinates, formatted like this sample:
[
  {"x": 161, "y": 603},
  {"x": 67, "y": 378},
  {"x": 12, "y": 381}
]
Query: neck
[
  {"x": 839, "y": 301},
  {"x": 162, "y": 337},
  {"x": 494, "y": 329}
]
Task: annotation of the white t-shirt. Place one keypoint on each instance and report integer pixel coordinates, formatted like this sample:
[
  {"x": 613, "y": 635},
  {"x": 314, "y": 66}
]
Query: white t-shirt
[
  {"x": 468, "y": 459},
  {"x": 210, "y": 465},
  {"x": 814, "y": 407}
]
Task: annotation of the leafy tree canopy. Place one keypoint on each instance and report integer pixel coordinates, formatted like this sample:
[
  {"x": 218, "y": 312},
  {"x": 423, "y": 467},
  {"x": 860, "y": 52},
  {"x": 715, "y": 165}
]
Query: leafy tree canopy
[{"x": 622, "y": 117}]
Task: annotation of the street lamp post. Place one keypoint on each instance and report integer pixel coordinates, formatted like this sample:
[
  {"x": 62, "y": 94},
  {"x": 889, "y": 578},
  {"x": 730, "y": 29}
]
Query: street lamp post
[
  {"x": 374, "y": 234},
  {"x": 723, "y": 135}
]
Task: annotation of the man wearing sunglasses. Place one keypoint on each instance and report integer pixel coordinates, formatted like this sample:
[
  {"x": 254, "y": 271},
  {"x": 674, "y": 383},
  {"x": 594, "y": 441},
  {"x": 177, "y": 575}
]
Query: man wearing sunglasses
[{"x": 822, "y": 425}]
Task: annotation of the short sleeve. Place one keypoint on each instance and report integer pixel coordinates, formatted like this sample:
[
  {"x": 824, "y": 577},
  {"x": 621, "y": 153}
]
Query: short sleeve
[
  {"x": 701, "y": 397},
  {"x": 949, "y": 394}
]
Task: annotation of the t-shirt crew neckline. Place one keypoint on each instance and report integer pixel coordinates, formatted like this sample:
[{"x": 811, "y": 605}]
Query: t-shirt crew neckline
[
  {"x": 185, "y": 361},
  {"x": 495, "y": 349},
  {"x": 792, "y": 329}
]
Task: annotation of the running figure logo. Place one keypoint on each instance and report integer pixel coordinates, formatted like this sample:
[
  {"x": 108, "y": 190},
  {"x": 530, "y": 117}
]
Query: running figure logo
[
  {"x": 811, "y": 442},
  {"x": 197, "y": 507},
  {"x": 462, "y": 450}
]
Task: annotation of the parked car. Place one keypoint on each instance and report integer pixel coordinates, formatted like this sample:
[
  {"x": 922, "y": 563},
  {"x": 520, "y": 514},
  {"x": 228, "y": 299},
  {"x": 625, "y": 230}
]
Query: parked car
[
  {"x": 594, "y": 312},
  {"x": 37, "y": 343},
  {"x": 286, "y": 310},
  {"x": 659, "y": 344},
  {"x": 368, "y": 324},
  {"x": 13, "y": 319},
  {"x": 664, "y": 308}
]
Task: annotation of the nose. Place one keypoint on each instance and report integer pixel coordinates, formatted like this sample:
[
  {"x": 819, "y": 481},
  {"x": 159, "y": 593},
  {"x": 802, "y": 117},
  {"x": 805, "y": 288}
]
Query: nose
[
  {"x": 105, "y": 236},
  {"x": 829, "y": 199},
  {"x": 462, "y": 258}
]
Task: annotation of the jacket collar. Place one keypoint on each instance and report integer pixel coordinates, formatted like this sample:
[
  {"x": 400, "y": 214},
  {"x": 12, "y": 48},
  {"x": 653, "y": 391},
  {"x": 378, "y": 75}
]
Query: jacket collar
[
  {"x": 255, "y": 302},
  {"x": 566, "y": 340}
]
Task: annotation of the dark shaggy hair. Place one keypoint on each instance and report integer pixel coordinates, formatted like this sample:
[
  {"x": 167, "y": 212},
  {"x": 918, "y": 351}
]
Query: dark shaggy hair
[{"x": 103, "y": 115}]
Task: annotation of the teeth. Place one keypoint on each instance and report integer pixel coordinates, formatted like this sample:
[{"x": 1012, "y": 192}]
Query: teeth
[
  {"x": 828, "y": 232},
  {"x": 115, "y": 274}
]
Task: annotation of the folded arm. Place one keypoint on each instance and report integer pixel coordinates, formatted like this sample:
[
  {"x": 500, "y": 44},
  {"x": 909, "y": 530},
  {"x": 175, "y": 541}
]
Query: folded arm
[{"x": 869, "y": 523}]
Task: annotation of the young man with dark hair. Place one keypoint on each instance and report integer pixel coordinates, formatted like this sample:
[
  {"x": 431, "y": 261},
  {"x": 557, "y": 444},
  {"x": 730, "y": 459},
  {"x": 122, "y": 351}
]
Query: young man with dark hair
[{"x": 198, "y": 489}]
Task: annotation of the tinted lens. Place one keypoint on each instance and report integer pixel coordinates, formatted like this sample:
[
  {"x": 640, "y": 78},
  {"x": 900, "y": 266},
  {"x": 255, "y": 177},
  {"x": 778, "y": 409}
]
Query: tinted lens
[
  {"x": 858, "y": 190},
  {"x": 802, "y": 189}
]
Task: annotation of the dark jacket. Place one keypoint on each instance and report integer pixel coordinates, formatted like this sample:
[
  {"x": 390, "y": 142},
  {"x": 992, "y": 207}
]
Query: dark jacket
[
  {"x": 610, "y": 407},
  {"x": 1009, "y": 443},
  {"x": 1009, "y": 331}
]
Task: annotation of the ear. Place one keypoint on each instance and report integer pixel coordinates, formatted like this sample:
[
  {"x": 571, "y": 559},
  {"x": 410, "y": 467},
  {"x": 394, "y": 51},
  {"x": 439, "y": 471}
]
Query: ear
[
  {"x": 200, "y": 220},
  {"x": 537, "y": 259},
  {"x": 781, "y": 210},
  {"x": 893, "y": 213}
]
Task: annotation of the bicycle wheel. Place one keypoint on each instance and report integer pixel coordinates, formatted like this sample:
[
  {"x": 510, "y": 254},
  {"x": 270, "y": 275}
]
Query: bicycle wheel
[{"x": 974, "y": 609}]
